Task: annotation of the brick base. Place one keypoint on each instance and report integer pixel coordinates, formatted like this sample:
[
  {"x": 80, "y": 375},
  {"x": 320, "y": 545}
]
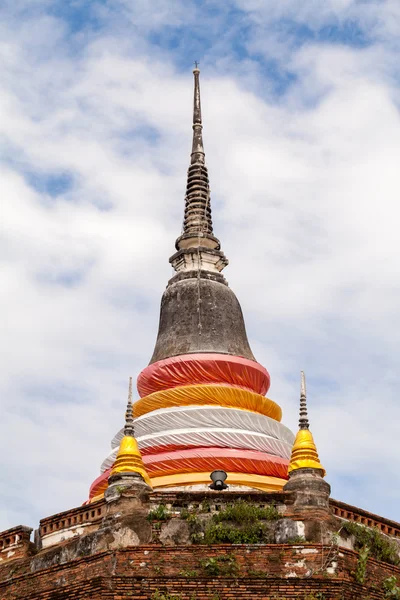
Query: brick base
[{"x": 262, "y": 572}]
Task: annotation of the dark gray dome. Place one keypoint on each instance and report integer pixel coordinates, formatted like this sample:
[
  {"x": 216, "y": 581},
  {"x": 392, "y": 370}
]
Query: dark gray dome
[{"x": 200, "y": 315}]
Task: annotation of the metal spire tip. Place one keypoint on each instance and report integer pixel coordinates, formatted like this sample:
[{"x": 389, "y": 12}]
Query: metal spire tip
[
  {"x": 303, "y": 421},
  {"x": 128, "y": 429}
]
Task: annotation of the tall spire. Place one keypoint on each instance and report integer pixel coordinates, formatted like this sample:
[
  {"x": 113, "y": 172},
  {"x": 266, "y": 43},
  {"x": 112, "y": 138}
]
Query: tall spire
[
  {"x": 304, "y": 452},
  {"x": 199, "y": 312},
  {"x": 198, "y": 248}
]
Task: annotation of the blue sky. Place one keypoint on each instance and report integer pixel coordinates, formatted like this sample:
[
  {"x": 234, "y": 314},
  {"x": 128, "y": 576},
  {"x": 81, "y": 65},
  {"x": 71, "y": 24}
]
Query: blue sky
[{"x": 302, "y": 136}]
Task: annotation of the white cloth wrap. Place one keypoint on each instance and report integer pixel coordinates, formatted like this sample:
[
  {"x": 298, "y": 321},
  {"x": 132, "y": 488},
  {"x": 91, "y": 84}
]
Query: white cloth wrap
[
  {"x": 219, "y": 437},
  {"x": 204, "y": 417}
]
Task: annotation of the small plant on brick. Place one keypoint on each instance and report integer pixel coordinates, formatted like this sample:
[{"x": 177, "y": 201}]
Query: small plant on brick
[
  {"x": 161, "y": 513},
  {"x": 296, "y": 539},
  {"x": 379, "y": 545},
  {"x": 244, "y": 512},
  {"x": 184, "y": 514},
  {"x": 229, "y": 565},
  {"x": 240, "y": 523},
  {"x": 221, "y": 565},
  {"x": 192, "y": 518},
  {"x": 335, "y": 538},
  {"x": 188, "y": 515},
  {"x": 197, "y": 538},
  {"x": 361, "y": 569},
  {"x": 259, "y": 574},
  {"x": 390, "y": 587},
  {"x": 221, "y": 533},
  {"x": 210, "y": 566},
  {"x": 165, "y": 596},
  {"x": 189, "y": 573}
]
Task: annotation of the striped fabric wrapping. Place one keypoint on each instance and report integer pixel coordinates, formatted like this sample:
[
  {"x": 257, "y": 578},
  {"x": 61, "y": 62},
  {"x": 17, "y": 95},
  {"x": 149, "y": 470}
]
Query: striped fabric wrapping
[{"x": 201, "y": 412}]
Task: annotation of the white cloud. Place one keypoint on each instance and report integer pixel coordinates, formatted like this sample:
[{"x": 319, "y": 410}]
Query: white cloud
[{"x": 305, "y": 201}]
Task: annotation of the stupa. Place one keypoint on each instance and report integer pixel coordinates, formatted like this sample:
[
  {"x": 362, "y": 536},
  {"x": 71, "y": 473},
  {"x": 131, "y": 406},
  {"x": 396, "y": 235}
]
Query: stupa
[
  {"x": 153, "y": 527},
  {"x": 202, "y": 402}
]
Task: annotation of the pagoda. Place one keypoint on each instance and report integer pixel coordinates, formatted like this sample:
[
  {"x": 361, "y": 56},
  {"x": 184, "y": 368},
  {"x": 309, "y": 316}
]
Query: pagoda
[{"x": 202, "y": 404}]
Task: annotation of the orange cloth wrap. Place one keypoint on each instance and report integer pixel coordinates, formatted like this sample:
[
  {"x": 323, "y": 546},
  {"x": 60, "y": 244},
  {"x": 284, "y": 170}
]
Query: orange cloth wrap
[
  {"x": 222, "y": 395},
  {"x": 203, "y": 369},
  {"x": 228, "y": 459}
]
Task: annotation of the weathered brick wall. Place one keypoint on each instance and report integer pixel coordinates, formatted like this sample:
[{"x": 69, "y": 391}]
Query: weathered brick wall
[
  {"x": 15, "y": 543},
  {"x": 257, "y": 572},
  {"x": 118, "y": 551}
]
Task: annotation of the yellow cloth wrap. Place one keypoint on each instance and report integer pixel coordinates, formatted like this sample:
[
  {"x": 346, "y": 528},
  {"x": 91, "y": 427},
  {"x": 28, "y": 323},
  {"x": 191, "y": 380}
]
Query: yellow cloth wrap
[
  {"x": 304, "y": 453},
  {"x": 99, "y": 496},
  {"x": 221, "y": 395},
  {"x": 100, "y": 492},
  {"x": 260, "y": 482},
  {"x": 129, "y": 459}
]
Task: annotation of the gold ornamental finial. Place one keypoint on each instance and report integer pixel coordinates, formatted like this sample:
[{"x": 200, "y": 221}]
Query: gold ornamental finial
[
  {"x": 129, "y": 459},
  {"x": 304, "y": 452}
]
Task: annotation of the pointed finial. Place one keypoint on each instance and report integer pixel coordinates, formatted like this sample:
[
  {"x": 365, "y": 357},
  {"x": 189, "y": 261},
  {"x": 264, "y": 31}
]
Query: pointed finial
[
  {"x": 303, "y": 422},
  {"x": 129, "y": 428},
  {"x": 197, "y": 146}
]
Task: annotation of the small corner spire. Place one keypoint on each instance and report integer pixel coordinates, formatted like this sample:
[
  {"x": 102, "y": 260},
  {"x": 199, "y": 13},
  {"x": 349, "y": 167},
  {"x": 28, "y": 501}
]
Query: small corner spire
[
  {"x": 304, "y": 451},
  {"x": 197, "y": 155},
  {"x": 129, "y": 459},
  {"x": 129, "y": 427},
  {"x": 303, "y": 421}
]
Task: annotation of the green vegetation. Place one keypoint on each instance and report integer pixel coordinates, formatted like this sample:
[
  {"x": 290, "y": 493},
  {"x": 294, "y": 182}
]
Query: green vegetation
[
  {"x": 160, "y": 513},
  {"x": 361, "y": 568},
  {"x": 317, "y": 596},
  {"x": 258, "y": 573},
  {"x": 391, "y": 589},
  {"x": 243, "y": 512},
  {"x": 188, "y": 515},
  {"x": 165, "y": 596},
  {"x": 184, "y": 514},
  {"x": 190, "y": 573},
  {"x": 238, "y": 523},
  {"x": 297, "y": 539},
  {"x": 380, "y": 547},
  {"x": 226, "y": 533},
  {"x": 222, "y": 565}
]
